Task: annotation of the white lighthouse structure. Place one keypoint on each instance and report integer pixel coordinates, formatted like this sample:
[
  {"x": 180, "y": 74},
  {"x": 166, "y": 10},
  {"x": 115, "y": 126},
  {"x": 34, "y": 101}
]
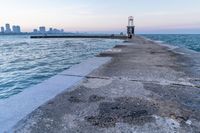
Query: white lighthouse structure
[{"x": 130, "y": 27}]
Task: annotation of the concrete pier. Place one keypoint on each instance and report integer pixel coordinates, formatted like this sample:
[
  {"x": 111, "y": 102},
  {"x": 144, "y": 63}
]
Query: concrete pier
[
  {"x": 80, "y": 36},
  {"x": 145, "y": 87}
]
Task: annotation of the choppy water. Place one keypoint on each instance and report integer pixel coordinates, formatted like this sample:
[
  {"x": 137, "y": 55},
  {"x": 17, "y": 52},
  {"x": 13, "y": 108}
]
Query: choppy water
[
  {"x": 25, "y": 62},
  {"x": 190, "y": 41}
]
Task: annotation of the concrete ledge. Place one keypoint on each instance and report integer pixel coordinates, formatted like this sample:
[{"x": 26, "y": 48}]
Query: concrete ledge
[
  {"x": 81, "y": 36},
  {"x": 85, "y": 67},
  {"x": 17, "y": 107}
]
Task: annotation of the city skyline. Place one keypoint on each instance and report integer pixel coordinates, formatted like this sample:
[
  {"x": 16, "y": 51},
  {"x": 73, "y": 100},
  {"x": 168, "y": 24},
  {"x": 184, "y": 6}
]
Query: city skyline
[
  {"x": 97, "y": 16},
  {"x": 16, "y": 29},
  {"x": 10, "y": 29}
]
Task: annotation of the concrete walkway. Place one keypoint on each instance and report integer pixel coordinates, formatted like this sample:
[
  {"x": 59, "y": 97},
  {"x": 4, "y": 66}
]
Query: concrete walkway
[{"x": 146, "y": 87}]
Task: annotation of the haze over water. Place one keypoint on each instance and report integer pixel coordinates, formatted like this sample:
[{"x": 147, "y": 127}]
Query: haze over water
[{"x": 151, "y": 16}]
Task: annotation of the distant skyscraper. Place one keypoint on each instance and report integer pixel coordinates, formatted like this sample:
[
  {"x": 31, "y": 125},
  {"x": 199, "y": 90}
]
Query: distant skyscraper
[
  {"x": 50, "y": 30},
  {"x": 42, "y": 29},
  {"x": 16, "y": 29},
  {"x": 55, "y": 30},
  {"x": 2, "y": 30},
  {"x": 8, "y": 30},
  {"x": 35, "y": 31},
  {"x": 13, "y": 28}
]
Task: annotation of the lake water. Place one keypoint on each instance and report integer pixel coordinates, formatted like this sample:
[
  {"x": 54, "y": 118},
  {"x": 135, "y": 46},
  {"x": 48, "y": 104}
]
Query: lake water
[
  {"x": 190, "y": 41},
  {"x": 25, "y": 62}
]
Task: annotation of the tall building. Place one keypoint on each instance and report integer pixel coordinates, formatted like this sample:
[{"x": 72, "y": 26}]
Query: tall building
[
  {"x": 8, "y": 29},
  {"x": 42, "y": 29},
  {"x": 50, "y": 30},
  {"x": 2, "y": 29},
  {"x": 35, "y": 31},
  {"x": 16, "y": 29}
]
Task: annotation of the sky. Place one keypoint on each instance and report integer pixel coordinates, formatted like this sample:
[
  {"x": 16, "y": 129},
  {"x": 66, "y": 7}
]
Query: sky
[{"x": 151, "y": 16}]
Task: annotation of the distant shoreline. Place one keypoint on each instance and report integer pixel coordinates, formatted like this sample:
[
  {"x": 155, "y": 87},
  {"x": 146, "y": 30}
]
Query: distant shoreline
[{"x": 27, "y": 33}]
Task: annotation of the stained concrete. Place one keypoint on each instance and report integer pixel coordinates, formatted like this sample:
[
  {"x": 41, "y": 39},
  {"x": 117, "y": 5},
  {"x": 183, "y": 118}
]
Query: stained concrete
[
  {"x": 15, "y": 108},
  {"x": 146, "y": 87}
]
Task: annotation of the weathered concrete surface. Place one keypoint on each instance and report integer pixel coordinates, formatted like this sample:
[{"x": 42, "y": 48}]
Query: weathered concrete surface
[
  {"x": 145, "y": 88},
  {"x": 17, "y": 107}
]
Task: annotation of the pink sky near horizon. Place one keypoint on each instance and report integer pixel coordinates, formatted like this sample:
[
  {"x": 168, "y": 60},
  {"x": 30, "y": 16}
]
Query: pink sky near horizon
[{"x": 99, "y": 16}]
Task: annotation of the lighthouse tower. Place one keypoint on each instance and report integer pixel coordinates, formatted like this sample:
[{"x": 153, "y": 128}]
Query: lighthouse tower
[{"x": 130, "y": 27}]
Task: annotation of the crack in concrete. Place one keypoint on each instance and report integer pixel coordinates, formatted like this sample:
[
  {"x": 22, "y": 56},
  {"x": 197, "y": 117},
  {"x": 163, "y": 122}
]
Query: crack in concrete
[
  {"x": 195, "y": 79},
  {"x": 134, "y": 80},
  {"x": 95, "y": 77},
  {"x": 71, "y": 75}
]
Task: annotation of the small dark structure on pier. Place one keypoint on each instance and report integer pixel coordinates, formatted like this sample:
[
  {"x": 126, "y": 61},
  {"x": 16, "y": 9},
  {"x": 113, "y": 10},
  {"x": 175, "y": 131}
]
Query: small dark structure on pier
[{"x": 130, "y": 27}]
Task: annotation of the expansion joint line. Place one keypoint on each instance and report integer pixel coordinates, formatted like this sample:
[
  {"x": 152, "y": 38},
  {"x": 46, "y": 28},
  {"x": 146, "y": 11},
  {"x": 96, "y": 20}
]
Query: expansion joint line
[
  {"x": 196, "y": 79},
  {"x": 177, "y": 84},
  {"x": 71, "y": 75},
  {"x": 94, "y": 77},
  {"x": 134, "y": 80}
]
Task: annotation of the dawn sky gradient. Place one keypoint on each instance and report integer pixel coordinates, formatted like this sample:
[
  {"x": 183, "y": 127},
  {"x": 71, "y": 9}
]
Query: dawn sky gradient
[{"x": 151, "y": 16}]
